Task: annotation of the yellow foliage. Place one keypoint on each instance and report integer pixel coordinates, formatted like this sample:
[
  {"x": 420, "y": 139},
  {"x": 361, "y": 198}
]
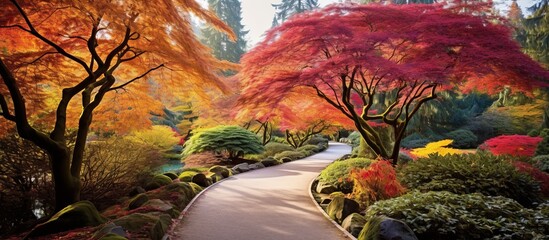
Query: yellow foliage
[
  {"x": 162, "y": 137},
  {"x": 437, "y": 147}
]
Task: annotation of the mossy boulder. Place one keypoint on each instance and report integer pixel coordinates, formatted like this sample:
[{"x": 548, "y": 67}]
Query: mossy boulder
[
  {"x": 223, "y": 171},
  {"x": 110, "y": 231},
  {"x": 187, "y": 176},
  {"x": 214, "y": 177},
  {"x": 158, "y": 181},
  {"x": 325, "y": 188},
  {"x": 136, "y": 190},
  {"x": 138, "y": 201},
  {"x": 340, "y": 207},
  {"x": 161, "y": 206},
  {"x": 354, "y": 224},
  {"x": 151, "y": 225},
  {"x": 255, "y": 166},
  {"x": 171, "y": 175},
  {"x": 243, "y": 167},
  {"x": 285, "y": 160},
  {"x": 201, "y": 180},
  {"x": 270, "y": 161},
  {"x": 381, "y": 227},
  {"x": 112, "y": 236},
  {"x": 177, "y": 194},
  {"x": 77, "y": 215}
]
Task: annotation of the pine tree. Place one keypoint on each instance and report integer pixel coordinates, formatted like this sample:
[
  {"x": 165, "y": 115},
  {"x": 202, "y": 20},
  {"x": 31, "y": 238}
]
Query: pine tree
[
  {"x": 222, "y": 46},
  {"x": 535, "y": 40},
  {"x": 287, "y": 8}
]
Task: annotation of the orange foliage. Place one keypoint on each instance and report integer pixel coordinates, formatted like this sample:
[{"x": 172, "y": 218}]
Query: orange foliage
[{"x": 377, "y": 182}]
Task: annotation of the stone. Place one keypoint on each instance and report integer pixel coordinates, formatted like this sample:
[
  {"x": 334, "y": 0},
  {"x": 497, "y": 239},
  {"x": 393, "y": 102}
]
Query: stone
[
  {"x": 255, "y": 166},
  {"x": 158, "y": 181},
  {"x": 215, "y": 177},
  {"x": 112, "y": 236},
  {"x": 325, "y": 200},
  {"x": 314, "y": 184},
  {"x": 138, "y": 201},
  {"x": 171, "y": 175},
  {"x": 382, "y": 227},
  {"x": 153, "y": 225},
  {"x": 243, "y": 167},
  {"x": 177, "y": 194},
  {"x": 340, "y": 207},
  {"x": 223, "y": 171},
  {"x": 136, "y": 190},
  {"x": 354, "y": 224},
  {"x": 77, "y": 215},
  {"x": 269, "y": 162},
  {"x": 285, "y": 159},
  {"x": 201, "y": 180},
  {"x": 110, "y": 231},
  {"x": 161, "y": 206},
  {"x": 186, "y": 176},
  {"x": 325, "y": 188}
]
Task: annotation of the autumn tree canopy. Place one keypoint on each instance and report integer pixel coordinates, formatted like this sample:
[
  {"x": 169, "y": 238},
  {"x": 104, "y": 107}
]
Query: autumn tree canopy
[
  {"x": 60, "y": 60},
  {"x": 351, "y": 54}
]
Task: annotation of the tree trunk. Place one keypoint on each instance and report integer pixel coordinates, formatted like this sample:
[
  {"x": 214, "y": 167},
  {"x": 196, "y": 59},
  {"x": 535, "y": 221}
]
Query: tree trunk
[{"x": 67, "y": 187}]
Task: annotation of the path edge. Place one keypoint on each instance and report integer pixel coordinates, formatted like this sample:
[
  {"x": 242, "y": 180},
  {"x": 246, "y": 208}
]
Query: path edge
[{"x": 310, "y": 191}]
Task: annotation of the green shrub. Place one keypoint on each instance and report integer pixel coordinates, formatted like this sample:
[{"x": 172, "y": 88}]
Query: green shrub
[
  {"x": 355, "y": 137},
  {"x": 469, "y": 173},
  {"x": 338, "y": 173},
  {"x": 309, "y": 148},
  {"x": 543, "y": 147},
  {"x": 234, "y": 141},
  {"x": 316, "y": 140},
  {"x": 293, "y": 155},
  {"x": 533, "y": 133},
  {"x": 544, "y": 132},
  {"x": 462, "y": 139},
  {"x": 445, "y": 215},
  {"x": 542, "y": 162},
  {"x": 272, "y": 148}
]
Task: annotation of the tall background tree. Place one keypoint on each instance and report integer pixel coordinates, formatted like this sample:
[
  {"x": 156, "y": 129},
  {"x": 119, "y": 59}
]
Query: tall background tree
[
  {"x": 535, "y": 35},
  {"x": 60, "y": 60},
  {"x": 288, "y": 8},
  {"x": 223, "y": 47},
  {"x": 350, "y": 54}
]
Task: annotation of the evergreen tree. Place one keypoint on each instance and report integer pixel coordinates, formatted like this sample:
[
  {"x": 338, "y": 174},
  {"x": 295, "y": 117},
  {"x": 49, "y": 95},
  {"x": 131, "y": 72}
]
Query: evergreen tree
[
  {"x": 287, "y": 8},
  {"x": 535, "y": 38},
  {"x": 222, "y": 46}
]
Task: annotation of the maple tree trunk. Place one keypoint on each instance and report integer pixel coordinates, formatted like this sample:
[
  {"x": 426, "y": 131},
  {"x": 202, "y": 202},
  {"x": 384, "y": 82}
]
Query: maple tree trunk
[{"x": 66, "y": 186}]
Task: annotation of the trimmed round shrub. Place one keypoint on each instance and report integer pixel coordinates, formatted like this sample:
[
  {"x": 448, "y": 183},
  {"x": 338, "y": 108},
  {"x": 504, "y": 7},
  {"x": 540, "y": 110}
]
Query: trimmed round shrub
[
  {"x": 316, "y": 140},
  {"x": 171, "y": 175},
  {"x": 542, "y": 162},
  {"x": 470, "y": 173},
  {"x": 272, "y": 148},
  {"x": 338, "y": 173},
  {"x": 293, "y": 155},
  {"x": 543, "y": 147},
  {"x": 234, "y": 141},
  {"x": 445, "y": 215},
  {"x": 158, "y": 181},
  {"x": 462, "y": 139},
  {"x": 308, "y": 149}
]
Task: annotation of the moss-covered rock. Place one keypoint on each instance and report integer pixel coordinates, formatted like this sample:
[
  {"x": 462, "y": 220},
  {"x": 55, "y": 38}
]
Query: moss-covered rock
[
  {"x": 136, "y": 190},
  {"x": 171, "y": 175},
  {"x": 187, "y": 176},
  {"x": 158, "y": 181},
  {"x": 77, "y": 215},
  {"x": 214, "y": 177},
  {"x": 354, "y": 224},
  {"x": 340, "y": 207},
  {"x": 223, "y": 171},
  {"x": 201, "y": 180},
  {"x": 151, "y": 225},
  {"x": 110, "y": 231},
  {"x": 138, "y": 201},
  {"x": 161, "y": 206},
  {"x": 270, "y": 161},
  {"x": 381, "y": 227},
  {"x": 112, "y": 236},
  {"x": 177, "y": 194}
]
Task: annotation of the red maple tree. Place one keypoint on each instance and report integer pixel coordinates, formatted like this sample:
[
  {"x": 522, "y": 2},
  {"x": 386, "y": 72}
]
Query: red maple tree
[{"x": 355, "y": 55}]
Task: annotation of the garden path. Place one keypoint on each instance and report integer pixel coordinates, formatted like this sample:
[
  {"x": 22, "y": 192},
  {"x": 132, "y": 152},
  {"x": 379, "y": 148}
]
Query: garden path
[{"x": 269, "y": 203}]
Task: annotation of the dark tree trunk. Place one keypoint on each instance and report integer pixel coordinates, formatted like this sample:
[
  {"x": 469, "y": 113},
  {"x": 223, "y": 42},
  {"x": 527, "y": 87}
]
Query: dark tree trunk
[{"x": 67, "y": 187}]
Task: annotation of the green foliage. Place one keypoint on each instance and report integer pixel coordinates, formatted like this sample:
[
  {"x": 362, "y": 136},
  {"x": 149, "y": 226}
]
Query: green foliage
[
  {"x": 158, "y": 181},
  {"x": 272, "y": 148},
  {"x": 308, "y": 149},
  {"x": 533, "y": 133},
  {"x": 235, "y": 141},
  {"x": 544, "y": 133},
  {"x": 293, "y": 155},
  {"x": 338, "y": 173},
  {"x": 186, "y": 176},
  {"x": 355, "y": 137},
  {"x": 463, "y": 139},
  {"x": 470, "y": 173},
  {"x": 316, "y": 140},
  {"x": 444, "y": 215},
  {"x": 542, "y": 162},
  {"x": 543, "y": 147}
]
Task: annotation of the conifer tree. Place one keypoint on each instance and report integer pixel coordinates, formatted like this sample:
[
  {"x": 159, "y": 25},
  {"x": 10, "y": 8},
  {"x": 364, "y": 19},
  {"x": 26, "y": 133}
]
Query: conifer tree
[
  {"x": 223, "y": 47},
  {"x": 287, "y": 8}
]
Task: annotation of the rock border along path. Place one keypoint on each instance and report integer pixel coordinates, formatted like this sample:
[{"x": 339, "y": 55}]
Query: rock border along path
[{"x": 268, "y": 203}]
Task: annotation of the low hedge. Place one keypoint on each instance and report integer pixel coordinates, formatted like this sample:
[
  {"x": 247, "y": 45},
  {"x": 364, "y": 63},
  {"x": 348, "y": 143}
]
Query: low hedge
[
  {"x": 445, "y": 215},
  {"x": 338, "y": 173},
  {"x": 470, "y": 173}
]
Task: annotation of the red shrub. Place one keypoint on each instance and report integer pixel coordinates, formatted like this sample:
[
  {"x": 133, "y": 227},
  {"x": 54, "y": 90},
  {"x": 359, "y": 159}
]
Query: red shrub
[
  {"x": 377, "y": 182},
  {"x": 515, "y": 145},
  {"x": 538, "y": 175}
]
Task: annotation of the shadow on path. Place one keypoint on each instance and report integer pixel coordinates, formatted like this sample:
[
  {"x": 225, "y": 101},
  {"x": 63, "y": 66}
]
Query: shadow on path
[{"x": 269, "y": 203}]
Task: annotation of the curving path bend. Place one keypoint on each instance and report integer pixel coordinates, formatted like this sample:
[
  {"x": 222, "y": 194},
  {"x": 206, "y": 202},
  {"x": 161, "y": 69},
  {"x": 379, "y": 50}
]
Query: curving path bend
[{"x": 269, "y": 203}]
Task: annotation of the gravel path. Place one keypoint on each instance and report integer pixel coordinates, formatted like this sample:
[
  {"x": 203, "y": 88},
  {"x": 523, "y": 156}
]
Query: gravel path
[{"x": 269, "y": 203}]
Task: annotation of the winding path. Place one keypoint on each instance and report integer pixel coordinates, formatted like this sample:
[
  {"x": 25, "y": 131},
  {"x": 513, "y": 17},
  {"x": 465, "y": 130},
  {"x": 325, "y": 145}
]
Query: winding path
[{"x": 269, "y": 203}]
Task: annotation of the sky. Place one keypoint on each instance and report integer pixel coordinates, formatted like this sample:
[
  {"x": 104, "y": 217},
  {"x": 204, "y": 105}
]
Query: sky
[{"x": 257, "y": 15}]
